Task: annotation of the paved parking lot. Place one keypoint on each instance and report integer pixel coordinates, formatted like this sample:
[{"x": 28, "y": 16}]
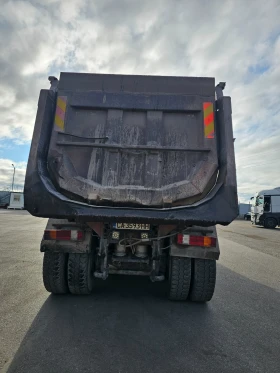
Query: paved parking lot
[{"x": 128, "y": 325}]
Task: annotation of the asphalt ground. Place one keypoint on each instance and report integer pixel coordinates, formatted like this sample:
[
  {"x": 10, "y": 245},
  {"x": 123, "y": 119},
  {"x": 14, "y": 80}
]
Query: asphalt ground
[{"x": 128, "y": 325}]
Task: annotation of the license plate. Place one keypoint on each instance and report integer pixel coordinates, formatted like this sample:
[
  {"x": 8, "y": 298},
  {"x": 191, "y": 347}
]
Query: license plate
[{"x": 134, "y": 226}]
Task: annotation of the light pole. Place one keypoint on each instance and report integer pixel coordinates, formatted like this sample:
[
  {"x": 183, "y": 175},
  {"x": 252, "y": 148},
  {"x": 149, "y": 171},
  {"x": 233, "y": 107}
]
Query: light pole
[{"x": 13, "y": 178}]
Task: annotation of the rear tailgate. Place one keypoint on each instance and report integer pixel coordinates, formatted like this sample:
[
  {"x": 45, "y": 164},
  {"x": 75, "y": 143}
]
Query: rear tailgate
[{"x": 134, "y": 140}]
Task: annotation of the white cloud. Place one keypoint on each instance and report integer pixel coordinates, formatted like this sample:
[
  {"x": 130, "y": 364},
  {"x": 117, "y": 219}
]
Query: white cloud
[
  {"x": 6, "y": 174},
  {"x": 234, "y": 41}
]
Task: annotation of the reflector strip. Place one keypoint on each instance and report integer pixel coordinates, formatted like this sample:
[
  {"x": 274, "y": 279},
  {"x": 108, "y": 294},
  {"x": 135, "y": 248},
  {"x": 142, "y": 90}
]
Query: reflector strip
[
  {"x": 208, "y": 114},
  {"x": 74, "y": 235},
  {"x": 204, "y": 241},
  {"x": 63, "y": 235},
  {"x": 183, "y": 239},
  {"x": 60, "y": 111}
]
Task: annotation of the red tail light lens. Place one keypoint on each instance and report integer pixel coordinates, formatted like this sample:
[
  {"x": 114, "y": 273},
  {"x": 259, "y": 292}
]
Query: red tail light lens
[
  {"x": 180, "y": 238},
  {"x": 197, "y": 240}
]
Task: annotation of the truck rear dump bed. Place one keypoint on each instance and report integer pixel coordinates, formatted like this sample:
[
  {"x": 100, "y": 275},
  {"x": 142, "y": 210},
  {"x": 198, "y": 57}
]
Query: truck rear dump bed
[{"x": 109, "y": 147}]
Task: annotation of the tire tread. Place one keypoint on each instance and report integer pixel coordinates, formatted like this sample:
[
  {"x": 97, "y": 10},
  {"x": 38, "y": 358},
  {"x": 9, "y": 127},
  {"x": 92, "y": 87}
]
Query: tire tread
[
  {"x": 78, "y": 274},
  {"x": 266, "y": 223},
  {"x": 179, "y": 278},
  {"x": 203, "y": 280},
  {"x": 55, "y": 272}
]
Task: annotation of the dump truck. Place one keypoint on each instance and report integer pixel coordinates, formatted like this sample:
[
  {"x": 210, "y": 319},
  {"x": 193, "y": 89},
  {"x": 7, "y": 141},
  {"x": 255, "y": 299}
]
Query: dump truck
[{"x": 133, "y": 173}]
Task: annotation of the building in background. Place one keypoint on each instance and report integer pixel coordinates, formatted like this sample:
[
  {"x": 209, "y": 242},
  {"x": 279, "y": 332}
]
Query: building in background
[
  {"x": 244, "y": 208},
  {"x": 16, "y": 201},
  {"x": 4, "y": 198},
  {"x": 244, "y": 211}
]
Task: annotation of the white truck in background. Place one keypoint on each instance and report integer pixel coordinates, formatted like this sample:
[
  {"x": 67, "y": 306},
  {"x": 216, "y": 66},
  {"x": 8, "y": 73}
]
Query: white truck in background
[{"x": 265, "y": 208}]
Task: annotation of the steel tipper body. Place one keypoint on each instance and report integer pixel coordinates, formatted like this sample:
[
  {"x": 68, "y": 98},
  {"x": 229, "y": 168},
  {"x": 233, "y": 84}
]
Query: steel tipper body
[{"x": 146, "y": 164}]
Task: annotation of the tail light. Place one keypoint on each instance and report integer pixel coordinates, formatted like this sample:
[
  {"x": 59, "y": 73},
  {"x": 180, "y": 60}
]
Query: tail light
[
  {"x": 205, "y": 241},
  {"x": 63, "y": 235}
]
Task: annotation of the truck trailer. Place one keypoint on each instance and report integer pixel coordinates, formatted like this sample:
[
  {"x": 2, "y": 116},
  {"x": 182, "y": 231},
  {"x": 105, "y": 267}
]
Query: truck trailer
[{"x": 133, "y": 173}]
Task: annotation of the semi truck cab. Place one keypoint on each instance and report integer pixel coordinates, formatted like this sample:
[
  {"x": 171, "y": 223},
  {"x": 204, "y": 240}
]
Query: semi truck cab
[{"x": 265, "y": 208}]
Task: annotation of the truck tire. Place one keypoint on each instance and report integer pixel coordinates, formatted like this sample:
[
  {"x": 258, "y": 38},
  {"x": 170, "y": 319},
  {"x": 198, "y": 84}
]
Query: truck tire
[
  {"x": 270, "y": 223},
  {"x": 55, "y": 272},
  {"x": 179, "y": 278},
  {"x": 80, "y": 273},
  {"x": 203, "y": 280}
]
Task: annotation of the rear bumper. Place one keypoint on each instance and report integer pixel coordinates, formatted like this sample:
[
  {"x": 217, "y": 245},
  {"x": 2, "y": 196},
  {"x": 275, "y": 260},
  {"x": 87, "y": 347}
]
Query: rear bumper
[{"x": 42, "y": 199}]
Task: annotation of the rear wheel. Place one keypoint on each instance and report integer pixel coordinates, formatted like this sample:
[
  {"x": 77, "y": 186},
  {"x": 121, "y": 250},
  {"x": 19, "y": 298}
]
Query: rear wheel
[
  {"x": 55, "y": 272},
  {"x": 80, "y": 273},
  {"x": 270, "y": 223},
  {"x": 203, "y": 280},
  {"x": 179, "y": 278}
]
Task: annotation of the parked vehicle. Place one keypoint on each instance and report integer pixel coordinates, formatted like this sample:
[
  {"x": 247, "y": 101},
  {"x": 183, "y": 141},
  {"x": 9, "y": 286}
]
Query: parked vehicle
[
  {"x": 134, "y": 173},
  {"x": 265, "y": 210},
  {"x": 247, "y": 216}
]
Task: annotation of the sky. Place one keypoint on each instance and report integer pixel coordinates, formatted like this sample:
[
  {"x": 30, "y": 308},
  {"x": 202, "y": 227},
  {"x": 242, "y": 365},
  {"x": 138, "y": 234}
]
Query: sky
[{"x": 234, "y": 41}]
